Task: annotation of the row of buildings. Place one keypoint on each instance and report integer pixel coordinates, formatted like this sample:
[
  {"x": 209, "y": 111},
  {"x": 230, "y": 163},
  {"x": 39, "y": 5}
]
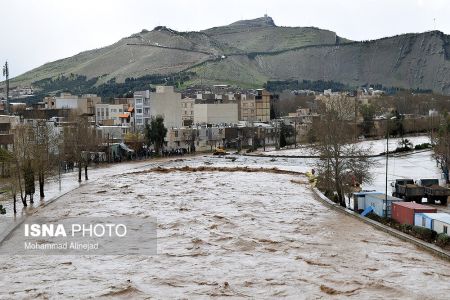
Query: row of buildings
[
  {"x": 177, "y": 110},
  {"x": 219, "y": 106},
  {"x": 202, "y": 120}
]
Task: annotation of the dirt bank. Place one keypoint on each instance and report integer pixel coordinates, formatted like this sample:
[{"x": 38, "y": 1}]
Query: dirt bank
[{"x": 218, "y": 169}]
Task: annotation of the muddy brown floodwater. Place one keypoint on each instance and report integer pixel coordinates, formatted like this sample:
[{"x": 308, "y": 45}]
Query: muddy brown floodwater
[{"x": 239, "y": 234}]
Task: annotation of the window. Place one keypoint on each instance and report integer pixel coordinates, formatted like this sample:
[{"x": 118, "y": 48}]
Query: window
[
  {"x": 423, "y": 221},
  {"x": 139, "y": 111},
  {"x": 138, "y": 100},
  {"x": 445, "y": 229}
]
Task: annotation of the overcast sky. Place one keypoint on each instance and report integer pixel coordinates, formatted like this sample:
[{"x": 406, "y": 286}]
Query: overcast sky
[{"x": 34, "y": 32}]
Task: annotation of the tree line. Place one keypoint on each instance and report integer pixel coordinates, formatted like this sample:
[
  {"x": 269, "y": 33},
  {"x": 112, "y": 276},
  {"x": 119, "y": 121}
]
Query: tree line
[
  {"x": 318, "y": 85},
  {"x": 41, "y": 151},
  {"x": 80, "y": 84}
]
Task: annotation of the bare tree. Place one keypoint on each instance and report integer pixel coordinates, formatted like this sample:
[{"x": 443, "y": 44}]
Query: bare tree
[
  {"x": 44, "y": 152},
  {"x": 80, "y": 140},
  {"x": 21, "y": 156},
  {"x": 6, "y": 157},
  {"x": 442, "y": 147},
  {"x": 14, "y": 160},
  {"x": 342, "y": 164}
]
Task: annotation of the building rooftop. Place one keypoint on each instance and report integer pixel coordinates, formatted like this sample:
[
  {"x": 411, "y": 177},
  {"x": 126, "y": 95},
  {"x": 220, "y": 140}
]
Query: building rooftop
[
  {"x": 414, "y": 205},
  {"x": 366, "y": 193},
  {"x": 443, "y": 217},
  {"x": 383, "y": 196}
]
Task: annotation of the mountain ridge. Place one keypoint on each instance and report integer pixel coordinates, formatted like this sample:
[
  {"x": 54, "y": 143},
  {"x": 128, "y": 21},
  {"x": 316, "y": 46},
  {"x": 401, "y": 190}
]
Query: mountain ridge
[{"x": 250, "y": 52}]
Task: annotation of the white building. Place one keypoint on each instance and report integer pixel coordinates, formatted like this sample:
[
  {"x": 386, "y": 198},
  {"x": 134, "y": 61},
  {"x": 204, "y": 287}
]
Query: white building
[
  {"x": 66, "y": 101},
  {"x": 84, "y": 104},
  {"x": 216, "y": 113},
  {"x": 141, "y": 108},
  {"x": 166, "y": 102},
  {"x": 113, "y": 133},
  {"x": 441, "y": 223},
  {"x": 111, "y": 112}
]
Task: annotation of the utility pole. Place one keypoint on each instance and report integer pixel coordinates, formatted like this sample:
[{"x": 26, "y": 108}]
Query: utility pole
[
  {"x": 295, "y": 134},
  {"x": 6, "y": 74},
  {"x": 356, "y": 118},
  {"x": 387, "y": 159},
  {"x": 276, "y": 135},
  {"x": 264, "y": 139},
  {"x": 108, "y": 150}
]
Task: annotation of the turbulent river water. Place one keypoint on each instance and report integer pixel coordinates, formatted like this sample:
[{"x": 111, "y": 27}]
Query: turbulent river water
[{"x": 236, "y": 234}]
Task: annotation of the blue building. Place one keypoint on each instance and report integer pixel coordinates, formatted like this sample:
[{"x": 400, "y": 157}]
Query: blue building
[
  {"x": 434, "y": 221},
  {"x": 360, "y": 198},
  {"x": 377, "y": 202}
]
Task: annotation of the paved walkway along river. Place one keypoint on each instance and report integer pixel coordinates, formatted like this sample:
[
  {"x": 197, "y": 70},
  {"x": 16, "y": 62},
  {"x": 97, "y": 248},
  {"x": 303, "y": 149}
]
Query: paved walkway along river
[{"x": 226, "y": 234}]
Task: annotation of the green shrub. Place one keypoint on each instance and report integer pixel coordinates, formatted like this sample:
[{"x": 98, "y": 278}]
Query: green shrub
[
  {"x": 328, "y": 194},
  {"x": 379, "y": 219},
  {"x": 422, "y": 146},
  {"x": 335, "y": 198},
  {"x": 2, "y": 210},
  {"x": 423, "y": 233},
  {"x": 401, "y": 149},
  {"x": 407, "y": 228},
  {"x": 442, "y": 240}
]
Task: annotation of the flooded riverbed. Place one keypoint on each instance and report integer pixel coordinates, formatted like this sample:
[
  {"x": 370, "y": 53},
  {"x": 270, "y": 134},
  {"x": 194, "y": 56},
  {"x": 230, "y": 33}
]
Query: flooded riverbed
[{"x": 221, "y": 233}]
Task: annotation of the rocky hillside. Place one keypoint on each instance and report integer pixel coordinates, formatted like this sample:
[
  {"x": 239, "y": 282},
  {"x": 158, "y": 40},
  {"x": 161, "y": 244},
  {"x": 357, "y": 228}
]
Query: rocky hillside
[{"x": 250, "y": 52}]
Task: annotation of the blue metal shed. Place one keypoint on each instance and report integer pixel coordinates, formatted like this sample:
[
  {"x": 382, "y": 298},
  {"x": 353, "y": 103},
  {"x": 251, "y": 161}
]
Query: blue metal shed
[
  {"x": 360, "y": 198},
  {"x": 424, "y": 220},
  {"x": 377, "y": 201},
  {"x": 429, "y": 220}
]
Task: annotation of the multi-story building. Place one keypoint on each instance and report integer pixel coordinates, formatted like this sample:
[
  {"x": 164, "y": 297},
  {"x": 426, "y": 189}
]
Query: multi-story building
[
  {"x": 254, "y": 107},
  {"x": 303, "y": 121},
  {"x": 262, "y": 102},
  {"x": 127, "y": 118},
  {"x": 141, "y": 108},
  {"x": 184, "y": 138},
  {"x": 166, "y": 102},
  {"x": 246, "y": 108},
  {"x": 7, "y": 125},
  {"x": 187, "y": 111},
  {"x": 84, "y": 105},
  {"x": 215, "y": 113},
  {"x": 108, "y": 114}
]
